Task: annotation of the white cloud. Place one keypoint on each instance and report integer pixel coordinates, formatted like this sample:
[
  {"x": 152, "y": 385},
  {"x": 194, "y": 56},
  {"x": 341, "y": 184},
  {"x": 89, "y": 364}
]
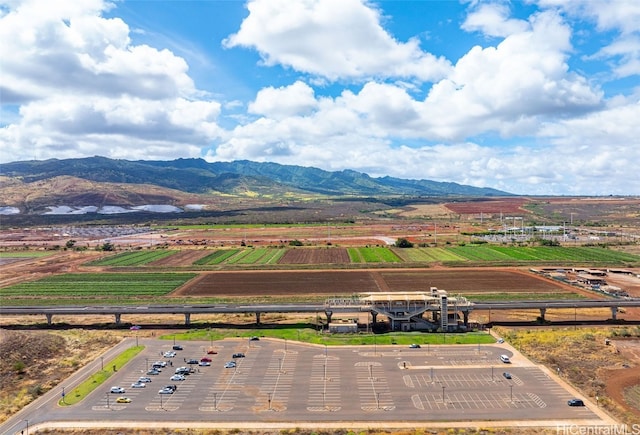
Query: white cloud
[
  {"x": 326, "y": 38},
  {"x": 296, "y": 99},
  {"x": 492, "y": 20},
  {"x": 621, "y": 16},
  {"x": 83, "y": 88}
]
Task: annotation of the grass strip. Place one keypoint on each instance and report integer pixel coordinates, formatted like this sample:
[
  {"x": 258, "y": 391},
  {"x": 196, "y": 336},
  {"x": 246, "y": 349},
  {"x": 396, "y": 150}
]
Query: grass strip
[{"x": 100, "y": 377}]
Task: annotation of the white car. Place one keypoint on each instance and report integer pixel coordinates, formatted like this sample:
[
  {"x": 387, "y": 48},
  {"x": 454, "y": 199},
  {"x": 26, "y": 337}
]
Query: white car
[
  {"x": 159, "y": 364},
  {"x": 177, "y": 378},
  {"x": 169, "y": 354},
  {"x": 166, "y": 391},
  {"x": 144, "y": 379},
  {"x": 138, "y": 385},
  {"x": 117, "y": 390},
  {"x": 204, "y": 363},
  {"x": 230, "y": 365}
]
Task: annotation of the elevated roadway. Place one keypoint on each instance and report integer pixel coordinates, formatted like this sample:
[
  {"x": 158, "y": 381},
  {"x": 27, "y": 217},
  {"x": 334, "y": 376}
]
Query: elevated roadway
[{"x": 326, "y": 309}]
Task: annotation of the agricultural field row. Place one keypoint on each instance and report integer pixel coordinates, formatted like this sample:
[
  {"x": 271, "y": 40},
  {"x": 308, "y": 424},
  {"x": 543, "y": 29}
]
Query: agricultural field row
[
  {"x": 136, "y": 258},
  {"x": 378, "y": 254},
  {"x": 98, "y": 285}
]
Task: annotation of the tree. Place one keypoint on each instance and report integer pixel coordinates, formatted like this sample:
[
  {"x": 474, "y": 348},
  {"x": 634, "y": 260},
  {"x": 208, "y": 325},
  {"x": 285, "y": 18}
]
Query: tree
[
  {"x": 403, "y": 243},
  {"x": 107, "y": 247},
  {"x": 70, "y": 244}
]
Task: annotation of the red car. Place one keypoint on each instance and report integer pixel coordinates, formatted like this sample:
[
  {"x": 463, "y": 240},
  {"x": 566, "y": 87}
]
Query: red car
[
  {"x": 212, "y": 352},
  {"x": 205, "y": 359}
]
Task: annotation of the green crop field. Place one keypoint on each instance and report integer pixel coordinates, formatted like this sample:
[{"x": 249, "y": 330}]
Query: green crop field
[
  {"x": 217, "y": 257},
  {"x": 135, "y": 258},
  {"x": 25, "y": 254},
  {"x": 542, "y": 253},
  {"x": 373, "y": 255},
  {"x": 96, "y": 286}
]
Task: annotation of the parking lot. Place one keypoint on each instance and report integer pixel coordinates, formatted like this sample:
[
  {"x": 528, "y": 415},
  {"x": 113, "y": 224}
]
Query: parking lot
[{"x": 278, "y": 381}]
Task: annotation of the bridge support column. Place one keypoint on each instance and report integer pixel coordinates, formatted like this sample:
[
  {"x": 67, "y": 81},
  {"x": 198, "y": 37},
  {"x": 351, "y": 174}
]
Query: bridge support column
[
  {"x": 329, "y": 314},
  {"x": 257, "y": 317},
  {"x": 614, "y": 313},
  {"x": 187, "y": 319},
  {"x": 543, "y": 311},
  {"x": 374, "y": 317},
  {"x": 49, "y": 317},
  {"x": 118, "y": 315},
  {"x": 465, "y": 315}
]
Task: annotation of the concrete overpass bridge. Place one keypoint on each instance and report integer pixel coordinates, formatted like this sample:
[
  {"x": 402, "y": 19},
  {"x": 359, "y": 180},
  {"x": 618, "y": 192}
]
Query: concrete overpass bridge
[{"x": 414, "y": 309}]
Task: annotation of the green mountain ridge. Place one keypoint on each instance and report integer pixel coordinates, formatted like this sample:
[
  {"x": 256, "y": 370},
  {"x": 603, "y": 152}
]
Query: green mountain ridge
[{"x": 198, "y": 176}]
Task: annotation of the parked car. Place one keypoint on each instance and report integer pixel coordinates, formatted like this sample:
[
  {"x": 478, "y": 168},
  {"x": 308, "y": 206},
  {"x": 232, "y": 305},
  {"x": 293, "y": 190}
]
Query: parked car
[
  {"x": 177, "y": 378},
  {"x": 414, "y": 346},
  {"x": 205, "y": 359},
  {"x": 183, "y": 371},
  {"x": 192, "y": 361},
  {"x": 575, "y": 402},
  {"x": 174, "y": 387},
  {"x": 138, "y": 385},
  {"x": 153, "y": 372},
  {"x": 160, "y": 364},
  {"x": 212, "y": 352},
  {"x": 169, "y": 354},
  {"x": 507, "y": 375},
  {"x": 505, "y": 359},
  {"x": 116, "y": 390},
  {"x": 230, "y": 365},
  {"x": 165, "y": 391},
  {"x": 177, "y": 347},
  {"x": 254, "y": 338},
  {"x": 238, "y": 355},
  {"x": 144, "y": 379},
  {"x": 204, "y": 363},
  {"x": 123, "y": 399}
]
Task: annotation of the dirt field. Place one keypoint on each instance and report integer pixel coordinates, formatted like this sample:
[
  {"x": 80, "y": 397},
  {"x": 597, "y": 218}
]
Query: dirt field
[
  {"x": 316, "y": 256},
  {"x": 348, "y": 282}
]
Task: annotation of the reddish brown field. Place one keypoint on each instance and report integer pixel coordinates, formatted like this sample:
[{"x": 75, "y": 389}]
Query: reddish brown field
[
  {"x": 348, "y": 282},
  {"x": 315, "y": 256}
]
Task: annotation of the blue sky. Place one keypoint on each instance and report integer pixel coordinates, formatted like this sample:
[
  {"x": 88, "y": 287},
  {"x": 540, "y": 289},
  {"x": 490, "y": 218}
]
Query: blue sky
[{"x": 534, "y": 97}]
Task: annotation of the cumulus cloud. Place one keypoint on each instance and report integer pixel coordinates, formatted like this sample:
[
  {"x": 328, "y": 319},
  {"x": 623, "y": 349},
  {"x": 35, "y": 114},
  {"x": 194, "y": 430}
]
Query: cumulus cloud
[
  {"x": 619, "y": 16},
  {"x": 493, "y": 20},
  {"x": 82, "y": 86},
  {"x": 333, "y": 39}
]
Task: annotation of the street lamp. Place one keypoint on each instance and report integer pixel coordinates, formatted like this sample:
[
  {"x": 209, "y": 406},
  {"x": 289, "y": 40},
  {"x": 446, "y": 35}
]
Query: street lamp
[
  {"x": 511, "y": 396},
  {"x": 27, "y": 426}
]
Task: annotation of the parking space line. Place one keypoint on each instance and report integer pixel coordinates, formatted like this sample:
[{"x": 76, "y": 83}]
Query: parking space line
[{"x": 324, "y": 388}]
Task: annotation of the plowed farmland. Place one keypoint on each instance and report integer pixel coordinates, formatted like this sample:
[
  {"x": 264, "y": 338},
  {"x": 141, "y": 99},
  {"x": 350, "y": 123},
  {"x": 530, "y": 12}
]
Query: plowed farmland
[
  {"x": 348, "y": 282},
  {"x": 315, "y": 256}
]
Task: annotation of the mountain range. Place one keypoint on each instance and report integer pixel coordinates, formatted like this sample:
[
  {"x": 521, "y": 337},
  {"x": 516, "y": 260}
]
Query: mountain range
[{"x": 29, "y": 186}]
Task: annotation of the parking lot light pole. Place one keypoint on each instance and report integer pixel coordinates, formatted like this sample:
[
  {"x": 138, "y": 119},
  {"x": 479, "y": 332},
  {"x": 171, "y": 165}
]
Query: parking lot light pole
[
  {"x": 443, "y": 387},
  {"x": 107, "y": 399},
  {"x": 27, "y": 426},
  {"x": 511, "y": 395},
  {"x": 215, "y": 401}
]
